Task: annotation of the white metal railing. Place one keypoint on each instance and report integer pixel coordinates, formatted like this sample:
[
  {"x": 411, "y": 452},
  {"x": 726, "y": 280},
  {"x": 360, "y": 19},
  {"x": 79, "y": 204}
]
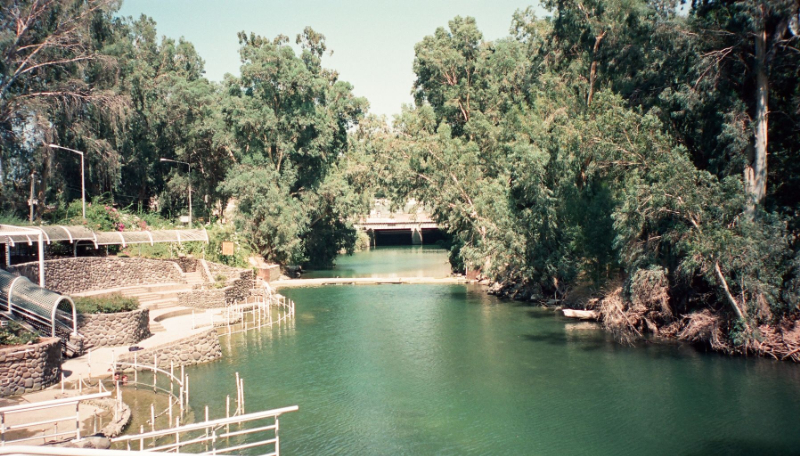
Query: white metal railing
[
  {"x": 211, "y": 433},
  {"x": 46, "y": 405},
  {"x": 26, "y": 450},
  {"x": 179, "y": 399},
  {"x": 254, "y": 312}
]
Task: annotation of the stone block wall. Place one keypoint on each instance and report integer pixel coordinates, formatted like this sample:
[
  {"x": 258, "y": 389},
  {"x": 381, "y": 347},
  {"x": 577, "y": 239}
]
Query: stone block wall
[
  {"x": 270, "y": 273},
  {"x": 26, "y": 368},
  {"x": 185, "y": 263},
  {"x": 242, "y": 287},
  {"x": 221, "y": 269},
  {"x": 109, "y": 330},
  {"x": 202, "y": 266},
  {"x": 74, "y": 275},
  {"x": 196, "y": 349},
  {"x": 203, "y": 298}
]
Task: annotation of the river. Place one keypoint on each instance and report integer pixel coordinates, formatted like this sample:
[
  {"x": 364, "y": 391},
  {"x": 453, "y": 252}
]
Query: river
[{"x": 447, "y": 369}]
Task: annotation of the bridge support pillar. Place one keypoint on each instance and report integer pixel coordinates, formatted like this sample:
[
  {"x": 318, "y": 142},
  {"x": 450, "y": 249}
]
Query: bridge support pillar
[{"x": 416, "y": 236}]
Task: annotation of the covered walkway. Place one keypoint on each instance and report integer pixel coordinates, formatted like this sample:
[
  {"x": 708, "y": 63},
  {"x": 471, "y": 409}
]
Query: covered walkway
[{"x": 47, "y": 311}]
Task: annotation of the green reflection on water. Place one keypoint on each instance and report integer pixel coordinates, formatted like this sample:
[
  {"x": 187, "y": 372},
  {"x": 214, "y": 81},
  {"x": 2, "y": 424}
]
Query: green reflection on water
[
  {"x": 401, "y": 261},
  {"x": 431, "y": 369}
]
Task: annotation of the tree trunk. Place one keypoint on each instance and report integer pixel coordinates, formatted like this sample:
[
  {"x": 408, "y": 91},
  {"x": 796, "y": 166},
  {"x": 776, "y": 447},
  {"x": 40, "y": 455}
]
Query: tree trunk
[
  {"x": 724, "y": 283},
  {"x": 45, "y": 175},
  {"x": 593, "y": 68},
  {"x": 755, "y": 172}
]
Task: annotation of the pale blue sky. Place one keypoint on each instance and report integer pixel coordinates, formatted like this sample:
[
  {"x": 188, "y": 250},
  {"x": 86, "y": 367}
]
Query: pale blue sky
[{"x": 373, "y": 40}]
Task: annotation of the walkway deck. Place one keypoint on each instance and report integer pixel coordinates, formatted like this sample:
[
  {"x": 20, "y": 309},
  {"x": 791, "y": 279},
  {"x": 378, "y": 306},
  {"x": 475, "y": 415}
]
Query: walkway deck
[{"x": 293, "y": 283}]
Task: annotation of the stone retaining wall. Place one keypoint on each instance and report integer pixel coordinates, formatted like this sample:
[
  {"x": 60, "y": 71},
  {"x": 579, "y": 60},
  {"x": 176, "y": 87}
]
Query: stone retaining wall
[
  {"x": 197, "y": 349},
  {"x": 242, "y": 287},
  {"x": 185, "y": 263},
  {"x": 74, "y": 275},
  {"x": 203, "y": 299},
  {"x": 26, "y": 368},
  {"x": 221, "y": 269},
  {"x": 114, "y": 329}
]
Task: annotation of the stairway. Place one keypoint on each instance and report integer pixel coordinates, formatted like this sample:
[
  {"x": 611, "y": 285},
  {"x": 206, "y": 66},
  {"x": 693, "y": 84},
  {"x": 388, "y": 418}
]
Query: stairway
[
  {"x": 157, "y": 296},
  {"x": 194, "y": 278}
]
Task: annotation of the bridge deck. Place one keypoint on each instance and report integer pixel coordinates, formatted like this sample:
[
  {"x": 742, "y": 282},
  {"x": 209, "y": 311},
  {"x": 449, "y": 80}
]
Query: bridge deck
[{"x": 291, "y": 283}]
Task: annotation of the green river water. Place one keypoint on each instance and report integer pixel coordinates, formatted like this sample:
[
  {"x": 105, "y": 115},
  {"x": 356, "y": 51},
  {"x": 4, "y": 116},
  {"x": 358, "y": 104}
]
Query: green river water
[{"x": 441, "y": 369}]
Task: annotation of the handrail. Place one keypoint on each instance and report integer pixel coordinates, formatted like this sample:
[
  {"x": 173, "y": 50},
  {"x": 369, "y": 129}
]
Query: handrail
[
  {"x": 28, "y": 450},
  {"x": 52, "y": 403},
  {"x": 207, "y": 424}
]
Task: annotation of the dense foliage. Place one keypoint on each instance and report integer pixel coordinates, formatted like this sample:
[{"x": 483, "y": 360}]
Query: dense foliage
[
  {"x": 613, "y": 139},
  {"x": 12, "y": 333},
  {"x": 110, "y": 303},
  {"x": 273, "y": 142},
  {"x": 618, "y": 153}
]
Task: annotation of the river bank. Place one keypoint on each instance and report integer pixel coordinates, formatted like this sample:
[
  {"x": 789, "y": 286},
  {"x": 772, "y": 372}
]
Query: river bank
[{"x": 645, "y": 311}]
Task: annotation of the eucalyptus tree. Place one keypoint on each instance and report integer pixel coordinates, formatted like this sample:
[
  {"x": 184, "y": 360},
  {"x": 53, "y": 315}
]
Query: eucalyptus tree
[
  {"x": 174, "y": 114},
  {"x": 745, "y": 45},
  {"x": 289, "y": 118},
  {"x": 49, "y": 52}
]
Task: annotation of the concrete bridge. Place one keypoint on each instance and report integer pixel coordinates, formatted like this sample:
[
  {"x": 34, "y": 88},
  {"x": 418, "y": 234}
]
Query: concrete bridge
[{"x": 416, "y": 225}]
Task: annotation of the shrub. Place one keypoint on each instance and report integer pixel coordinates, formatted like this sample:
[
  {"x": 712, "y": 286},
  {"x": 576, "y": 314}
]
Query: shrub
[
  {"x": 14, "y": 334},
  {"x": 110, "y": 303}
]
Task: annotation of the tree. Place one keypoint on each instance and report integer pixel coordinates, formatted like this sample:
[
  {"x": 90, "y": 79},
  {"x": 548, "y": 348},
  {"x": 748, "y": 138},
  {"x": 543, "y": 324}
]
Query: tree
[
  {"x": 289, "y": 119},
  {"x": 49, "y": 49}
]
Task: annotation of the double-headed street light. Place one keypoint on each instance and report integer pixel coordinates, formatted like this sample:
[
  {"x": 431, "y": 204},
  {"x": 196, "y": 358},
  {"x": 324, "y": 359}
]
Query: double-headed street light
[
  {"x": 83, "y": 182},
  {"x": 190, "y": 184}
]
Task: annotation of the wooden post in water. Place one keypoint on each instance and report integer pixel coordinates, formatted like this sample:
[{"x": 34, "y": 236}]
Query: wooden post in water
[
  {"x": 241, "y": 382},
  {"x": 238, "y": 395},
  {"x": 177, "y": 434},
  {"x": 227, "y": 412}
]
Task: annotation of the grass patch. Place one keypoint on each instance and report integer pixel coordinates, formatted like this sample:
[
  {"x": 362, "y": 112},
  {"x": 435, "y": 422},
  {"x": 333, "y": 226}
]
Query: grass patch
[
  {"x": 110, "y": 303},
  {"x": 14, "y": 334}
]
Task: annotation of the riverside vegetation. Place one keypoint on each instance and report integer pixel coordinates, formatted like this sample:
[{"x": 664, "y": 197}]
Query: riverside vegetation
[{"x": 617, "y": 154}]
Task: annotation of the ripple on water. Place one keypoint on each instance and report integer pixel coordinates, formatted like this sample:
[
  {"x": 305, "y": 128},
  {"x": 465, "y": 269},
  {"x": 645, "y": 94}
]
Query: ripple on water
[{"x": 431, "y": 369}]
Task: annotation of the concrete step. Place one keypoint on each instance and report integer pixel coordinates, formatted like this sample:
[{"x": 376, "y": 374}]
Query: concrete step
[
  {"x": 156, "y": 327},
  {"x": 132, "y": 290},
  {"x": 157, "y": 296},
  {"x": 194, "y": 277},
  {"x": 159, "y": 304},
  {"x": 155, "y": 289}
]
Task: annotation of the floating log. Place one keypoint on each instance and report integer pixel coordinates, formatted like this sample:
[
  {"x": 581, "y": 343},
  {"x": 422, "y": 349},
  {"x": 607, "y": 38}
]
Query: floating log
[{"x": 581, "y": 314}]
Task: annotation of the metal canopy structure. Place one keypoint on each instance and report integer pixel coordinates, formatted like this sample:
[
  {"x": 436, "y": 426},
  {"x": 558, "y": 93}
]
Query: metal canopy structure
[
  {"x": 23, "y": 299},
  {"x": 75, "y": 234},
  {"x": 10, "y": 231},
  {"x": 11, "y": 235}
]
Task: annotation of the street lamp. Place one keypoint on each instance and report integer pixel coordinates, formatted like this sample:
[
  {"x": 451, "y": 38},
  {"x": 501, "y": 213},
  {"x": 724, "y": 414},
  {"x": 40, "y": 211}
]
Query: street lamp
[
  {"x": 83, "y": 182},
  {"x": 190, "y": 184}
]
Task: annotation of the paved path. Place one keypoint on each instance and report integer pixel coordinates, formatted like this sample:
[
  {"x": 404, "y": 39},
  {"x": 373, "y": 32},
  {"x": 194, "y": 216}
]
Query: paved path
[
  {"x": 97, "y": 362},
  {"x": 291, "y": 283}
]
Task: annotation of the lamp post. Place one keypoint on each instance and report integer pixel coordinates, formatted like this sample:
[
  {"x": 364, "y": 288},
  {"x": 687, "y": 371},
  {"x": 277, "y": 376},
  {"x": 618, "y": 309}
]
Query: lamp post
[
  {"x": 190, "y": 183},
  {"x": 83, "y": 182}
]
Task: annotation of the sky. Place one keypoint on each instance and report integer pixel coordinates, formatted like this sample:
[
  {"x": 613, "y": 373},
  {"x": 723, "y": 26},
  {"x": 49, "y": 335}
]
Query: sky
[{"x": 373, "y": 40}]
